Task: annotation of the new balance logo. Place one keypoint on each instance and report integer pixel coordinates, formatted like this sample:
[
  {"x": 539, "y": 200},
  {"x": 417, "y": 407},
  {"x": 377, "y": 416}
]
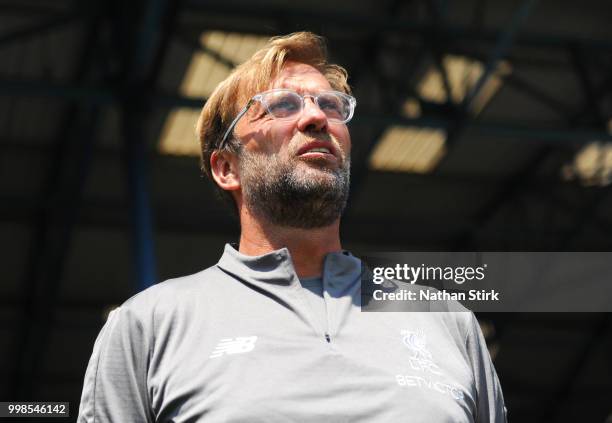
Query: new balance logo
[{"x": 238, "y": 345}]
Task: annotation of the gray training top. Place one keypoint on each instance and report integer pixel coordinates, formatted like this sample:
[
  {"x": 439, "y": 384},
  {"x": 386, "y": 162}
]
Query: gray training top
[{"x": 242, "y": 341}]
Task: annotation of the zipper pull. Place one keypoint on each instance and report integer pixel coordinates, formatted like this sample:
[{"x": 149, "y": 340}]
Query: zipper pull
[{"x": 327, "y": 338}]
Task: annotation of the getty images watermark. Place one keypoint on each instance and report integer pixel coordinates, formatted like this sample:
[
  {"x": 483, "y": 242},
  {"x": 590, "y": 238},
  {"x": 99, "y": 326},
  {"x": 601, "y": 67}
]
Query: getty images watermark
[
  {"x": 487, "y": 281},
  {"x": 414, "y": 274}
]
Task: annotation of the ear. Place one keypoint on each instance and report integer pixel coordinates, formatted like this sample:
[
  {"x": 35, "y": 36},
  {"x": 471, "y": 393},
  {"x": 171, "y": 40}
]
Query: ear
[{"x": 224, "y": 169}]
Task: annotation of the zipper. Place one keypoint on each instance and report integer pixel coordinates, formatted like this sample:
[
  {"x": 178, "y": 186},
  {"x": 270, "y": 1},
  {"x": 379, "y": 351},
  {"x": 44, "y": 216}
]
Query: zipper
[{"x": 327, "y": 301}]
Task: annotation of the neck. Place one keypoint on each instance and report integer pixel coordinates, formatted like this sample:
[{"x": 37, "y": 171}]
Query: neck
[{"x": 308, "y": 247}]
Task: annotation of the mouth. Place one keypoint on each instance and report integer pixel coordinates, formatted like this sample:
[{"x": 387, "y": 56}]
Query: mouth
[{"x": 318, "y": 150}]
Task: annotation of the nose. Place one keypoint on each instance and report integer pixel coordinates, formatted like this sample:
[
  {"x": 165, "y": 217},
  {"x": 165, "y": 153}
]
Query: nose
[{"x": 312, "y": 117}]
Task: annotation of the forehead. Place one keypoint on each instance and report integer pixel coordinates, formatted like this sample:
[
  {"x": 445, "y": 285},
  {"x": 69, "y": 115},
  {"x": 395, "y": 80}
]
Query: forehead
[{"x": 301, "y": 77}]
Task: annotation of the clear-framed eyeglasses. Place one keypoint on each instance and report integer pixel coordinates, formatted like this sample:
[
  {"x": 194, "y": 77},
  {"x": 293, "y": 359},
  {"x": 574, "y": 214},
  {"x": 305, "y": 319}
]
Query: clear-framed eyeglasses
[{"x": 285, "y": 104}]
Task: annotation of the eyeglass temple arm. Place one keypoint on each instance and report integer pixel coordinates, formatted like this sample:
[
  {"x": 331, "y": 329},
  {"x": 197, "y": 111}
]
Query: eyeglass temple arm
[{"x": 234, "y": 122}]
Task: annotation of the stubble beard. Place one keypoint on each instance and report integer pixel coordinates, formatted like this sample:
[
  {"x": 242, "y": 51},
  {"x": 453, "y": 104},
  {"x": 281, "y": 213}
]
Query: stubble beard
[{"x": 287, "y": 192}]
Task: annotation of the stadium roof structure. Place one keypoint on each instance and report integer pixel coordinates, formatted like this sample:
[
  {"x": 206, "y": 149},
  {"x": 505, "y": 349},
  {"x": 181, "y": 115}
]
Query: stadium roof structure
[{"x": 480, "y": 126}]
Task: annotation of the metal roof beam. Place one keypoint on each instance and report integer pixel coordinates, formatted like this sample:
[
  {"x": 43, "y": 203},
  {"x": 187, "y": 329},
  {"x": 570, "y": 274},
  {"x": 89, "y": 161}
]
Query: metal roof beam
[
  {"x": 516, "y": 81},
  {"x": 106, "y": 95},
  {"x": 38, "y": 29},
  {"x": 503, "y": 45},
  {"x": 370, "y": 24},
  {"x": 141, "y": 70},
  {"x": 52, "y": 227}
]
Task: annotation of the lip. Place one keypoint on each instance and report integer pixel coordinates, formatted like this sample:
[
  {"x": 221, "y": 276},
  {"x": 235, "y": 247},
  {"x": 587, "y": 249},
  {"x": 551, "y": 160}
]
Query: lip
[{"x": 304, "y": 150}]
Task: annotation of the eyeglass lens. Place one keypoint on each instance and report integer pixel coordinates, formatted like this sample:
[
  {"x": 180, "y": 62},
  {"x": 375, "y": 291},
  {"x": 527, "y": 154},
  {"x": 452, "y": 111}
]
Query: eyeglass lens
[{"x": 284, "y": 104}]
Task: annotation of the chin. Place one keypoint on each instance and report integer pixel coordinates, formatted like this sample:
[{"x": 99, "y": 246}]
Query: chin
[
  {"x": 319, "y": 173},
  {"x": 318, "y": 165}
]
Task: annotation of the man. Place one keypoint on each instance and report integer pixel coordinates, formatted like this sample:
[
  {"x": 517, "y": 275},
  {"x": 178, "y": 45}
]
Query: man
[{"x": 274, "y": 331}]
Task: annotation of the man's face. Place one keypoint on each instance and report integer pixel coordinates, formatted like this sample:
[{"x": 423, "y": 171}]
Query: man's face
[{"x": 281, "y": 179}]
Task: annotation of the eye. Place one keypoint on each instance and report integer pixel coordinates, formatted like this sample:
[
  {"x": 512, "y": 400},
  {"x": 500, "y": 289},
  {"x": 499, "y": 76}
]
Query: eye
[
  {"x": 332, "y": 106},
  {"x": 329, "y": 104},
  {"x": 283, "y": 105}
]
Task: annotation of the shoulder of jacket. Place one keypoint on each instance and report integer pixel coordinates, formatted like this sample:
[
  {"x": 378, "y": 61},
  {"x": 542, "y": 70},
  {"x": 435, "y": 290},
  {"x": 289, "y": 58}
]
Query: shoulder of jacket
[{"x": 173, "y": 291}]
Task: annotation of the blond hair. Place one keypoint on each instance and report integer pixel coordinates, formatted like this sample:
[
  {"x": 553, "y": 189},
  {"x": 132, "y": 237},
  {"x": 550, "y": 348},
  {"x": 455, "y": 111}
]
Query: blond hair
[{"x": 254, "y": 76}]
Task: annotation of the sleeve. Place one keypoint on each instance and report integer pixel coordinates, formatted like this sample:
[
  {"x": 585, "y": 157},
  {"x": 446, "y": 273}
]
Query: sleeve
[
  {"x": 115, "y": 388},
  {"x": 490, "y": 406}
]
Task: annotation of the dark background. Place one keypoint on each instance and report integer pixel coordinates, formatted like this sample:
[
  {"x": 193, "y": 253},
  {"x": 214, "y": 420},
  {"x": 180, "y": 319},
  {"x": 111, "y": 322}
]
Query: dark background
[{"x": 91, "y": 210}]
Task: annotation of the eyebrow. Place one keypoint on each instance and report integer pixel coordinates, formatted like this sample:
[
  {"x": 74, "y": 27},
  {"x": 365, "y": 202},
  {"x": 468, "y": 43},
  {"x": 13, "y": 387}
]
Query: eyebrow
[{"x": 300, "y": 90}]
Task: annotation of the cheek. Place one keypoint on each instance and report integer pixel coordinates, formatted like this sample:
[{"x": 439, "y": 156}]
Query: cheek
[
  {"x": 343, "y": 136},
  {"x": 280, "y": 135},
  {"x": 262, "y": 138}
]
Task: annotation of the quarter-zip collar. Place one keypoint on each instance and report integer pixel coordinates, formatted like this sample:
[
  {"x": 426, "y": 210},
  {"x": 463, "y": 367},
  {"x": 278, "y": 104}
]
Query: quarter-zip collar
[
  {"x": 340, "y": 269},
  {"x": 274, "y": 274}
]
